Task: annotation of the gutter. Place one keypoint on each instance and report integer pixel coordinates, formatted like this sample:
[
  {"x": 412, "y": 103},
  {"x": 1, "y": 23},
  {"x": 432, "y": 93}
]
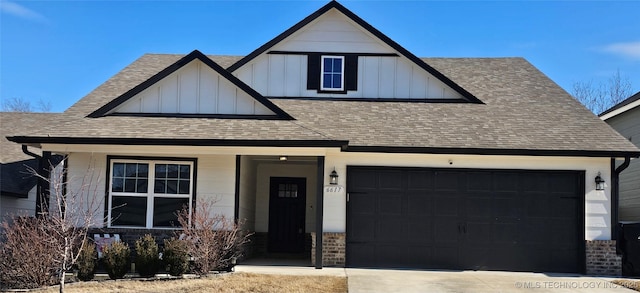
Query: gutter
[
  {"x": 615, "y": 193},
  {"x": 42, "y": 191}
]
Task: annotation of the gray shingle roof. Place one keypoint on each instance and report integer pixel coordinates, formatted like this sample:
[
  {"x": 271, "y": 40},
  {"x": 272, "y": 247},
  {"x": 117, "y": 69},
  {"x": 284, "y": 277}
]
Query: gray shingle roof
[
  {"x": 523, "y": 110},
  {"x": 14, "y": 176}
]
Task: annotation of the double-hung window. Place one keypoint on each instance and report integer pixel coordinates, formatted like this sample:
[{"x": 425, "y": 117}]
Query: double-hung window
[
  {"x": 332, "y": 73},
  {"x": 149, "y": 193}
]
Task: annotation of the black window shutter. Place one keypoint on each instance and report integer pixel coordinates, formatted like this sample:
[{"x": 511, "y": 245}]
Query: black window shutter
[
  {"x": 313, "y": 71},
  {"x": 351, "y": 72}
]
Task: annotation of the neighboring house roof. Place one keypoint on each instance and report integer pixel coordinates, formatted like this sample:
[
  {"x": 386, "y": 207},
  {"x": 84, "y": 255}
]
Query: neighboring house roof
[
  {"x": 15, "y": 179},
  {"x": 524, "y": 112},
  {"x": 624, "y": 106}
]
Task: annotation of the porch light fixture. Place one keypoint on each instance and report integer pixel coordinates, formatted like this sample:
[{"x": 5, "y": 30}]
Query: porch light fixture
[
  {"x": 283, "y": 158},
  {"x": 334, "y": 177},
  {"x": 599, "y": 182}
]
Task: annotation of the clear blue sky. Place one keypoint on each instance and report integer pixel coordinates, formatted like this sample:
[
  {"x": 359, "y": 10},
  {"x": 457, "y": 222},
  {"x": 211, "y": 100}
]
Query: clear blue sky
[{"x": 59, "y": 51}]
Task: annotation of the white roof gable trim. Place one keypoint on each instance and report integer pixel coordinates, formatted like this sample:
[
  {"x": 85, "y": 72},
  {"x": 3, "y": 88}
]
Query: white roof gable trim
[{"x": 621, "y": 110}]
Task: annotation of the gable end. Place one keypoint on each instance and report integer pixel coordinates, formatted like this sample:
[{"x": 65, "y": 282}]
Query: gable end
[
  {"x": 353, "y": 17},
  {"x": 108, "y": 108}
]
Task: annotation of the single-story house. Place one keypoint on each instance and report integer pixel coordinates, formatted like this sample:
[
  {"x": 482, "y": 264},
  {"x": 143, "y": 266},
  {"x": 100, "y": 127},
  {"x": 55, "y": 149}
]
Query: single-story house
[
  {"x": 19, "y": 187},
  {"x": 335, "y": 141},
  {"x": 625, "y": 118}
]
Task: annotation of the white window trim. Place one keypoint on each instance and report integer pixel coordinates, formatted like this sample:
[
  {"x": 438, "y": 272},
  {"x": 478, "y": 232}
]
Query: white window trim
[
  {"x": 322, "y": 73},
  {"x": 150, "y": 195}
]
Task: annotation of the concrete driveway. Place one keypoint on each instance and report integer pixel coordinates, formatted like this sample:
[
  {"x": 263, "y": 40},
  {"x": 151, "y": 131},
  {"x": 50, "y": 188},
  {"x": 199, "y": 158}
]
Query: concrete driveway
[
  {"x": 378, "y": 280},
  {"x": 374, "y": 280}
]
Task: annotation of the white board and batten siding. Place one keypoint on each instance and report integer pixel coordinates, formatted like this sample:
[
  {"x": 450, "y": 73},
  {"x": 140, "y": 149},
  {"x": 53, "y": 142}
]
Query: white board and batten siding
[
  {"x": 384, "y": 77},
  {"x": 215, "y": 182},
  {"x": 194, "y": 89}
]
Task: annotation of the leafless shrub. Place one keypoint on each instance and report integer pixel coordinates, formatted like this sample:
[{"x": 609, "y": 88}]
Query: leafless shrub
[
  {"x": 46, "y": 247},
  {"x": 26, "y": 251},
  {"x": 214, "y": 241}
]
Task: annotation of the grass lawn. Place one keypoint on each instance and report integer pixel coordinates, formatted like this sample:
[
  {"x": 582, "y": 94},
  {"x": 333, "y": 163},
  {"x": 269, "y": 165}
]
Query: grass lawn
[
  {"x": 233, "y": 282},
  {"x": 631, "y": 284}
]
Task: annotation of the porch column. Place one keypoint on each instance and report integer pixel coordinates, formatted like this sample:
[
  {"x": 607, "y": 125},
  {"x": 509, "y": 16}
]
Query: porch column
[
  {"x": 236, "y": 208},
  {"x": 319, "y": 211}
]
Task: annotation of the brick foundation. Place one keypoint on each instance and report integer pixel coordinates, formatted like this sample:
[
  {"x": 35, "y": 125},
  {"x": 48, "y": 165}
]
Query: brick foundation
[
  {"x": 601, "y": 258},
  {"x": 333, "y": 249}
]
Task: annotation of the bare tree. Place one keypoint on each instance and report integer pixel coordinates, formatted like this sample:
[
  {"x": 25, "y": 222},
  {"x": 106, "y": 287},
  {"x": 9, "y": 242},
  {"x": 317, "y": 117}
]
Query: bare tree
[
  {"x": 21, "y": 105},
  {"x": 56, "y": 236},
  {"x": 602, "y": 96}
]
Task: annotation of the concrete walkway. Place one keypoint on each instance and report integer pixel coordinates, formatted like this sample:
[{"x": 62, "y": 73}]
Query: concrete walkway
[{"x": 379, "y": 280}]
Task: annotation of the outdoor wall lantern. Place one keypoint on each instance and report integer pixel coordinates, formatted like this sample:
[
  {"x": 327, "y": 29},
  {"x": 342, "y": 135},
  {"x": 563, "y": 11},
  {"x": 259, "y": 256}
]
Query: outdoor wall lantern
[
  {"x": 334, "y": 177},
  {"x": 599, "y": 182}
]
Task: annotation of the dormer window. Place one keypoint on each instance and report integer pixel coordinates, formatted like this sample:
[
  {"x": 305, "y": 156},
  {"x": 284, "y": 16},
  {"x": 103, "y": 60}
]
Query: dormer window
[{"x": 332, "y": 77}]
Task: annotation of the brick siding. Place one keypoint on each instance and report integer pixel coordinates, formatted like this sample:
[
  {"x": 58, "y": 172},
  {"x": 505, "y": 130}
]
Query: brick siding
[
  {"x": 601, "y": 258},
  {"x": 333, "y": 249}
]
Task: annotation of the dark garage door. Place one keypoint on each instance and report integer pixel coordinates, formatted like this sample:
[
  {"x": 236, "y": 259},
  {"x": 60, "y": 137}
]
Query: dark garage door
[{"x": 465, "y": 219}]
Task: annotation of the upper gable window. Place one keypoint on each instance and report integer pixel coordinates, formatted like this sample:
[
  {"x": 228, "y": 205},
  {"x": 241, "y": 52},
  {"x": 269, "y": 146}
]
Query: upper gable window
[{"x": 332, "y": 77}]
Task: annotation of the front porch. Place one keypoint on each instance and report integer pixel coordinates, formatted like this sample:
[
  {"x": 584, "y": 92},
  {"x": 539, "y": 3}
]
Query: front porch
[{"x": 279, "y": 199}]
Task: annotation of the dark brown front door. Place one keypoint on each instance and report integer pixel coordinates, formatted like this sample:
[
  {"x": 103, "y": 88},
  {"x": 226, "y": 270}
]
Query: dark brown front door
[{"x": 287, "y": 214}]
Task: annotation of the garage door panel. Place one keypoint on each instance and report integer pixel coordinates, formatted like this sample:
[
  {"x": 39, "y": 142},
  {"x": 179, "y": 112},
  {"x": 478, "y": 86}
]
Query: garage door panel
[
  {"x": 506, "y": 206},
  {"x": 477, "y": 233},
  {"x": 390, "y": 204},
  {"x": 479, "y": 206},
  {"x": 445, "y": 257},
  {"x": 362, "y": 229},
  {"x": 363, "y": 180},
  {"x": 537, "y": 204},
  {"x": 479, "y": 181},
  {"x": 419, "y": 203},
  {"x": 447, "y": 180},
  {"x": 446, "y": 231},
  {"x": 563, "y": 232},
  {"x": 563, "y": 182},
  {"x": 466, "y": 219},
  {"x": 506, "y": 181},
  {"x": 447, "y": 205},
  {"x": 535, "y": 182},
  {"x": 391, "y": 255},
  {"x": 419, "y": 255},
  {"x": 391, "y": 229},
  {"x": 390, "y": 180},
  {"x": 562, "y": 202},
  {"x": 360, "y": 254},
  {"x": 420, "y": 230},
  {"x": 535, "y": 232},
  {"x": 419, "y": 180},
  {"x": 505, "y": 233},
  {"x": 477, "y": 258},
  {"x": 365, "y": 202}
]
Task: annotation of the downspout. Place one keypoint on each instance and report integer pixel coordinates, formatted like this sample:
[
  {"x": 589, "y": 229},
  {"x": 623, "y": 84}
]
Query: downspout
[
  {"x": 42, "y": 195},
  {"x": 615, "y": 193}
]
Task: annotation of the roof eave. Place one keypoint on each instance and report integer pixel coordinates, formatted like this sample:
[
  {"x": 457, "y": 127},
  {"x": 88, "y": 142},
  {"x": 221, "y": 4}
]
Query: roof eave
[
  {"x": 493, "y": 151},
  {"x": 620, "y": 110},
  {"x": 34, "y": 140}
]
